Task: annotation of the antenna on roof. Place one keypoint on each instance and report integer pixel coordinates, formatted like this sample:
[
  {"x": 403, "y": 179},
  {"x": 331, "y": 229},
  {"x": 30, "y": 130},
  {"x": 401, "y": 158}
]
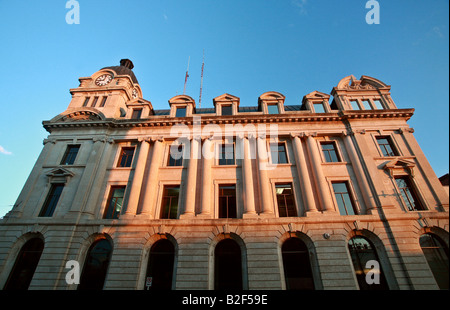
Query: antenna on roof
[
  {"x": 187, "y": 75},
  {"x": 201, "y": 81}
]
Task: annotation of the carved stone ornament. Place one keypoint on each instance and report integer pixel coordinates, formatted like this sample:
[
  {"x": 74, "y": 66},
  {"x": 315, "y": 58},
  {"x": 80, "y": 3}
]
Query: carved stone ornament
[{"x": 80, "y": 116}]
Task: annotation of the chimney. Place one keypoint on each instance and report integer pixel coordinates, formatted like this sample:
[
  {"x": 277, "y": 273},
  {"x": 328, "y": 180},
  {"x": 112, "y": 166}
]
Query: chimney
[{"x": 127, "y": 63}]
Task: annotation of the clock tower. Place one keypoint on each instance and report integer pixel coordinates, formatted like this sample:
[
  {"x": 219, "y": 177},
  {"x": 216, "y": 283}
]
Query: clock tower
[{"x": 111, "y": 92}]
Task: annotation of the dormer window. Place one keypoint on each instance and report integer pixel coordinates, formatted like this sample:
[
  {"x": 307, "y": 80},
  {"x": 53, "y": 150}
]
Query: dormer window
[
  {"x": 354, "y": 104},
  {"x": 318, "y": 108},
  {"x": 366, "y": 104},
  {"x": 136, "y": 114},
  {"x": 378, "y": 104},
  {"x": 272, "y": 109},
  {"x": 181, "y": 112},
  {"x": 227, "y": 110}
]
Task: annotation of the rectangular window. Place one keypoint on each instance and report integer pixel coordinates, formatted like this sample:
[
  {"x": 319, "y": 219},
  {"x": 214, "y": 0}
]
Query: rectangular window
[
  {"x": 278, "y": 153},
  {"x": 52, "y": 200},
  {"x": 330, "y": 152},
  {"x": 285, "y": 200},
  {"x": 227, "y": 201},
  {"x": 115, "y": 202},
  {"x": 272, "y": 109},
  {"x": 319, "y": 108},
  {"x": 180, "y": 112},
  {"x": 355, "y": 105},
  {"x": 136, "y": 114},
  {"x": 94, "y": 103},
  {"x": 175, "y": 156},
  {"x": 366, "y": 105},
  {"x": 169, "y": 207},
  {"x": 226, "y": 155},
  {"x": 408, "y": 194},
  {"x": 126, "y": 157},
  {"x": 343, "y": 198},
  {"x": 227, "y": 110},
  {"x": 86, "y": 101},
  {"x": 70, "y": 154},
  {"x": 102, "y": 104},
  {"x": 386, "y": 147},
  {"x": 378, "y": 104}
]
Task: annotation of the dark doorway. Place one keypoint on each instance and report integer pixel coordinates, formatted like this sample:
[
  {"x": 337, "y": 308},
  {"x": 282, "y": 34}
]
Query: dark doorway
[
  {"x": 297, "y": 267},
  {"x": 227, "y": 266},
  {"x": 25, "y": 265},
  {"x": 96, "y": 265},
  {"x": 160, "y": 265}
]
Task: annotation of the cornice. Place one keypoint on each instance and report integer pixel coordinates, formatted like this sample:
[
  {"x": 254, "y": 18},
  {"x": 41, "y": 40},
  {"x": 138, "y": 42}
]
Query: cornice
[{"x": 158, "y": 121}]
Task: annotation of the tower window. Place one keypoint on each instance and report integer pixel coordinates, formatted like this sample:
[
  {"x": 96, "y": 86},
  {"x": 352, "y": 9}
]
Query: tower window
[
  {"x": 354, "y": 104},
  {"x": 366, "y": 104},
  {"x": 102, "y": 104},
  {"x": 94, "y": 103},
  {"x": 378, "y": 104},
  {"x": 86, "y": 101}
]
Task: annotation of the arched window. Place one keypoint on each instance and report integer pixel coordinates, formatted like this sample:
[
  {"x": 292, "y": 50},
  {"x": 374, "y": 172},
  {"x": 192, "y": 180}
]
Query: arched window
[
  {"x": 362, "y": 251},
  {"x": 25, "y": 265},
  {"x": 436, "y": 253},
  {"x": 96, "y": 266},
  {"x": 160, "y": 265},
  {"x": 297, "y": 266},
  {"x": 228, "y": 265}
]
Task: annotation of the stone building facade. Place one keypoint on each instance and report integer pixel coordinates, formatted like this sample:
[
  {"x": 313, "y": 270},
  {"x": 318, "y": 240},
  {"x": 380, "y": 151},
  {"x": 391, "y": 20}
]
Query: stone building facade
[{"x": 269, "y": 196}]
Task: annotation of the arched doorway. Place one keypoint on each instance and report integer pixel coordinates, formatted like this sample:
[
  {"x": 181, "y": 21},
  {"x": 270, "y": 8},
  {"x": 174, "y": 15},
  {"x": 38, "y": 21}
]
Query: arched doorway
[
  {"x": 228, "y": 266},
  {"x": 160, "y": 266},
  {"x": 296, "y": 264},
  {"x": 96, "y": 266},
  {"x": 362, "y": 251},
  {"x": 436, "y": 253},
  {"x": 25, "y": 265}
]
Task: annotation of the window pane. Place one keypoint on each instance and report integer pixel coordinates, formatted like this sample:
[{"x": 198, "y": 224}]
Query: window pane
[
  {"x": 273, "y": 109},
  {"x": 343, "y": 199},
  {"x": 278, "y": 153},
  {"x": 126, "y": 157},
  {"x": 175, "y": 156},
  {"x": 408, "y": 194},
  {"x": 226, "y": 110},
  {"x": 227, "y": 201},
  {"x": 103, "y": 101},
  {"x": 136, "y": 114},
  {"x": 169, "y": 207},
  {"x": 94, "y": 103},
  {"x": 378, "y": 104},
  {"x": 386, "y": 147},
  {"x": 70, "y": 155},
  {"x": 329, "y": 152},
  {"x": 285, "y": 200},
  {"x": 226, "y": 156},
  {"x": 52, "y": 200},
  {"x": 115, "y": 202},
  {"x": 366, "y": 105},
  {"x": 354, "y": 104},
  {"x": 86, "y": 101},
  {"x": 318, "y": 108},
  {"x": 181, "y": 112}
]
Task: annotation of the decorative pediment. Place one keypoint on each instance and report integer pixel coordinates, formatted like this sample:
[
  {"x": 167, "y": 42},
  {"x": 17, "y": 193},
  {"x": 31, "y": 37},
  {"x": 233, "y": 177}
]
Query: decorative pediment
[
  {"x": 183, "y": 99},
  {"x": 80, "y": 116},
  {"x": 59, "y": 175},
  {"x": 272, "y": 95},
  {"x": 364, "y": 83},
  {"x": 226, "y": 98},
  {"x": 400, "y": 166}
]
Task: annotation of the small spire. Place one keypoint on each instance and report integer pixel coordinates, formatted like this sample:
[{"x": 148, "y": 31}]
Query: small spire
[{"x": 127, "y": 63}]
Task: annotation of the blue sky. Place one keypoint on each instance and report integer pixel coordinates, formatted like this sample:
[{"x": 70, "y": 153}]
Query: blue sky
[{"x": 290, "y": 46}]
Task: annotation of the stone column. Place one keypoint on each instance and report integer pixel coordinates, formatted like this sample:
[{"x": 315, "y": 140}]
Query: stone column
[
  {"x": 263, "y": 157},
  {"x": 247, "y": 176},
  {"x": 359, "y": 173},
  {"x": 151, "y": 187},
  {"x": 191, "y": 184},
  {"x": 303, "y": 176},
  {"x": 321, "y": 183},
  {"x": 207, "y": 159},
  {"x": 138, "y": 176}
]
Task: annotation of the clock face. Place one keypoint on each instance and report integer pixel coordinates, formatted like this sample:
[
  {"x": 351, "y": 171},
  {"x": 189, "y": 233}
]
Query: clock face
[{"x": 104, "y": 79}]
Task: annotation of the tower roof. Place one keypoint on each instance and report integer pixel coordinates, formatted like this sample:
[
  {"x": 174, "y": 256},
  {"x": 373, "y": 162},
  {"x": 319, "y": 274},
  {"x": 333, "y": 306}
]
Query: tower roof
[{"x": 124, "y": 69}]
